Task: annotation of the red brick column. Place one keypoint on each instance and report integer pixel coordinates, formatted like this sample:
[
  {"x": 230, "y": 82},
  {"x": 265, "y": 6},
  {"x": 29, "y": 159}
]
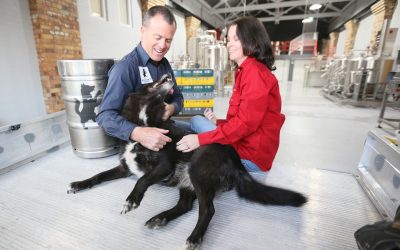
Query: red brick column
[
  {"x": 381, "y": 10},
  {"x": 192, "y": 24},
  {"x": 56, "y": 31},
  {"x": 147, "y": 4}
]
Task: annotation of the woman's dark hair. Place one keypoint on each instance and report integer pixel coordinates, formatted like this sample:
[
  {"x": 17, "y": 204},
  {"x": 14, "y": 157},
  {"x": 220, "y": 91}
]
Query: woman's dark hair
[
  {"x": 161, "y": 10},
  {"x": 255, "y": 40}
]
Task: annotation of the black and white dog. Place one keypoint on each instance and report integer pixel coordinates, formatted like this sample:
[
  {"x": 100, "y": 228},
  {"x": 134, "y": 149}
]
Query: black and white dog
[{"x": 199, "y": 174}]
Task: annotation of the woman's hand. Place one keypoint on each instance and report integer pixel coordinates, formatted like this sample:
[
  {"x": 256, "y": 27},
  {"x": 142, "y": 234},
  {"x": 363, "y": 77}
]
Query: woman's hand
[
  {"x": 209, "y": 114},
  {"x": 188, "y": 143}
]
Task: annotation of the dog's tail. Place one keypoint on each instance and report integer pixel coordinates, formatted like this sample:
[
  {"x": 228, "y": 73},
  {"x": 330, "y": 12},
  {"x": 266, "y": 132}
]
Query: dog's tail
[{"x": 252, "y": 190}]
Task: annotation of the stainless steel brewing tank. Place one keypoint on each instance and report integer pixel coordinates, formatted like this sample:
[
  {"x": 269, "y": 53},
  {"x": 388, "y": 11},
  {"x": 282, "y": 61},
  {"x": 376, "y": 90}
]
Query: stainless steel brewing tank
[
  {"x": 212, "y": 56},
  {"x": 83, "y": 83},
  {"x": 344, "y": 63},
  {"x": 371, "y": 62},
  {"x": 357, "y": 63},
  {"x": 194, "y": 49},
  {"x": 216, "y": 57}
]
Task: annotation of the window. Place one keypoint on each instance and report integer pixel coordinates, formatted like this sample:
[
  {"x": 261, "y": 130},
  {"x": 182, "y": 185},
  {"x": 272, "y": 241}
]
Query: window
[
  {"x": 125, "y": 12},
  {"x": 98, "y": 8}
]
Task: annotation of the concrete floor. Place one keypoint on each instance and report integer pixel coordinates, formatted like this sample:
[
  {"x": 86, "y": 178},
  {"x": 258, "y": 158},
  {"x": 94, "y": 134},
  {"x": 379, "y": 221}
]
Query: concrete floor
[
  {"x": 321, "y": 143},
  {"x": 319, "y": 133}
]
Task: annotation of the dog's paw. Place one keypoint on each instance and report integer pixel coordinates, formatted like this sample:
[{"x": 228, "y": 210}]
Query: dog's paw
[
  {"x": 78, "y": 186},
  {"x": 191, "y": 246},
  {"x": 128, "y": 205},
  {"x": 73, "y": 187},
  {"x": 155, "y": 223}
]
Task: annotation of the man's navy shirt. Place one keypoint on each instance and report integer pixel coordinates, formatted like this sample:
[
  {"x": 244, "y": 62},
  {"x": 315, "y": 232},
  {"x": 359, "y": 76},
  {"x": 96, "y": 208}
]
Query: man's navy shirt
[{"x": 125, "y": 77}]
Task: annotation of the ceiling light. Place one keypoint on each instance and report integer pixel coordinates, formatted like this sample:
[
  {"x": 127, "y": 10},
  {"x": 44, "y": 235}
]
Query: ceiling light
[
  {"x": 308, "y": 19},
  {"x": 315, "y": 6}
]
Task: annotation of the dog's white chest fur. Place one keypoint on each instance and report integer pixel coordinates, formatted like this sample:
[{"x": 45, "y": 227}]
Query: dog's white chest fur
[
  {"x": 142, "y": 114},
  {"x": 130, "y": 159}
]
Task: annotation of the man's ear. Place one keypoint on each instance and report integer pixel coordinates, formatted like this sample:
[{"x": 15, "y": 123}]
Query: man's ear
[{"x": 142, "y": 30}]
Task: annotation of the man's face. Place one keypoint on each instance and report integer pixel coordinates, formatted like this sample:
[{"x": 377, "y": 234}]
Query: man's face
[{"x": 157, "y": 37}]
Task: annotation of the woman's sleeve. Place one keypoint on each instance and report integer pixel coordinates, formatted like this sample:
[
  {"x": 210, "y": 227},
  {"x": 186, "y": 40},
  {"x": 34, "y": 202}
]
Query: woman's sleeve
[{"x": 252, "y": 106}]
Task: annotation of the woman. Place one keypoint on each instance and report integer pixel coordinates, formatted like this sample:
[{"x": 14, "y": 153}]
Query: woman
[{"x": 254, "y": 118}]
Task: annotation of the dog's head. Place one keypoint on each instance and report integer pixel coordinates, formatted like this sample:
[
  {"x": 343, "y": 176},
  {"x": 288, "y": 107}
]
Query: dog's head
[
  {"x": 146, "y": 107},
  {"x": 159, "y": 89}
]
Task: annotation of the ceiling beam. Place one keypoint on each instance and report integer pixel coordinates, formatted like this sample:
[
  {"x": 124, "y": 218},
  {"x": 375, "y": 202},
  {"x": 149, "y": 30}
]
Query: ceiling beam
[
  {"x": 353, "y": 9},
  {"x": 274, "y": 5},
  {"x": 201, "y": 11},
  {"x": 300, "y": 16},
  {"x": 221, "y": 2},
  {"x": 330, "y": 6}
]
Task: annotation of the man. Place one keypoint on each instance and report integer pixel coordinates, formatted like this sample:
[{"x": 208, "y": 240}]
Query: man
[{"x": 145, "y": 64}]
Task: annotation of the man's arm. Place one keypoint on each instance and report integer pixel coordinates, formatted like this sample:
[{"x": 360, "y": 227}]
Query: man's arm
[
  {"x": 118, "y": 87},
  {"x": 120, "y": 84}
]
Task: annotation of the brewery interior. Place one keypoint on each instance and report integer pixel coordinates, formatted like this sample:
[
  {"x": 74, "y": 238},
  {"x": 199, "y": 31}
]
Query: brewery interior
[{"x": 338, "y": 67}]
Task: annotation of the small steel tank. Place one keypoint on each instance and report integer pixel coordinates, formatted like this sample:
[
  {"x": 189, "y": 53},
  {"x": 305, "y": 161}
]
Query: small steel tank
[{"x": 83, "y": 83}]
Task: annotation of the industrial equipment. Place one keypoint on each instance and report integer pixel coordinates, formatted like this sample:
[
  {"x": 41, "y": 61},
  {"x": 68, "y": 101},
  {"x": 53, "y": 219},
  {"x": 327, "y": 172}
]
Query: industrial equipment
[
  {"x": 357, "y": 78},
  {"x": 313, "y": 72},
  {"x": 379, "y": 166},
  {"x": 391, "y": 96},
  {"x": 379, "y": 170},
  {"x": 207, "y": 52},
  {"x": 83, "y": 83}
]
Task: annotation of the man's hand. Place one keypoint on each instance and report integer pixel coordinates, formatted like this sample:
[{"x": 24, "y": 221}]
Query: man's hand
[
  {"x": 169, "y": 110},
  {"x": 151, "y": 138},
  {"x": 188, "y": 143}
]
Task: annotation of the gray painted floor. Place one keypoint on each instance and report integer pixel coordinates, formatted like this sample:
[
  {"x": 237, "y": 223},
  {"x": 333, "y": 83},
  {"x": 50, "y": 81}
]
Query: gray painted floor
[{"x": 320, "y": 148}]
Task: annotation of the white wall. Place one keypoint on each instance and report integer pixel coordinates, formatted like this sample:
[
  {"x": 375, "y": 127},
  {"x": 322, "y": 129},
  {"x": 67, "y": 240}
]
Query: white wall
[
  {"x": 21, "y": 96},
  {"x": 395, "y": 23},
  {"x": 178, "y": 46},
  {"x": 364, "y": 32},
  {"x": 363, "y": 36},
  {"x": 341, "y": 43},
  {"x": 108, "y": 38}
]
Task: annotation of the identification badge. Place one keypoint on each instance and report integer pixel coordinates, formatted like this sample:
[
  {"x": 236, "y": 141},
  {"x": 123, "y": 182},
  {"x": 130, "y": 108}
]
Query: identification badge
[{"x": 145, "y": 76}]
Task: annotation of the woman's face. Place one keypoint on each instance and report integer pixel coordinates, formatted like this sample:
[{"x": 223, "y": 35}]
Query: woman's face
[{"x": 234, "y": 45}]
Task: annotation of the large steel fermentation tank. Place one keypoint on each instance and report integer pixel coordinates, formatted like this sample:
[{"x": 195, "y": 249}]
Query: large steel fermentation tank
[
  {"x": 207, "y": 52},
  {"x": 83, "y": 83},
  {"x": 196, "y": 45},
  {"x": 216, "y": 57}
]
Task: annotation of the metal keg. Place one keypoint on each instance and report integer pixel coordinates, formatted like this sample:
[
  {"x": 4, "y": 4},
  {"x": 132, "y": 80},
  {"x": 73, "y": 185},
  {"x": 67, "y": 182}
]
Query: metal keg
[
  {"x": 371, "y": 61},
  {"x": 83, "y": 83},
  {"x": 357, "y": 63}
]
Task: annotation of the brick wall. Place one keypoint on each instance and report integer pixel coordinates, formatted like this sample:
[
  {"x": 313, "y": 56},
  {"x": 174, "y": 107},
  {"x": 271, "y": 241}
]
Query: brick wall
[
  {"x": 382, "y": 10},
  {"x": 333, "y": 39},
  {"x": 325, "y": 47},
  {"x": 351, "y": 32},
  {"x": 192, "y": 24},
  {"x": 147, "y": 4},
  {"x": 56, "y": 31}
]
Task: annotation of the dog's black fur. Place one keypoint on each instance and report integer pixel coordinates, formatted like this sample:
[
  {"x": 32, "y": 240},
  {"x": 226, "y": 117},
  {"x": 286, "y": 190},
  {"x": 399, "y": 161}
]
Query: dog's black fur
[{"x": 199, "y": 174}]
